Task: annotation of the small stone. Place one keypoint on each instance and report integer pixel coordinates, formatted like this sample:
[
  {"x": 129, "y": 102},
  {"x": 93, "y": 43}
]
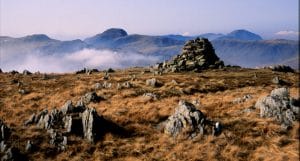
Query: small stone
[
  {"x": 28, "y": 147},
  {"x": 152, "y": 82}
]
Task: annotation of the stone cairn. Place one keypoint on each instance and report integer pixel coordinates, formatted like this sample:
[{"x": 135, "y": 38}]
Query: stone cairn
[
  {"x": 279, "y": 106},
  {"x": 196, "y": 55}
]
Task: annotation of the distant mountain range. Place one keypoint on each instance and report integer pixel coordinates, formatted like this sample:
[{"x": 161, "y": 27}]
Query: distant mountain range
[{"x": 240, "y": 47}]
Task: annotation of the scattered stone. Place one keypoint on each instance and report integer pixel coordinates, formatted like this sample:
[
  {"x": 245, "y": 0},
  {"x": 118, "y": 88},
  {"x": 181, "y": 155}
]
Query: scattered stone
[
  {"x": 282, "y": 68},
  {"x": 187, "y": 117},
  {"x": 153, "y": 82},
  {"x": 150, "y": 96},
  {"x": 98, "y": 86},
  {"x": 5, "y": 131},
  {"x": 124, "y": 85},
  {"x": 243, "y": 99},
  {"x": 90, "y": 97},
  {"x": 276, "y": 80},
  {"x": 106, "y": 85},
  {"x": 196, "y": 55},
  {"x": 196, "y": 102},
  {"x": 280, "y": 106},
  {"x": 28, "y": 146},
  {"x": 174, "y": 82},
  {"x": 26, "y": 72},
  {"x": 23, "y": 91},
  {"x": 106, "y": 76}
]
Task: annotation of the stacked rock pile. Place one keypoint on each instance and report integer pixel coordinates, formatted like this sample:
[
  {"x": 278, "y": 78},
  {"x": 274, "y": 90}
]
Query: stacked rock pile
[{"x": 196, "y": 55}]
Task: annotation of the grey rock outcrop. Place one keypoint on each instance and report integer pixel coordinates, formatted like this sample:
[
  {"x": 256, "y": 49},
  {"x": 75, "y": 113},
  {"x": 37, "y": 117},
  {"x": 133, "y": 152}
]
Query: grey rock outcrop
[
  {"x": 280, "y": 106},
  {"x": 77, "y": 120},
  {"x": 153, "y": 82},
  {"x": 89, "y": 97},
  {"x": 196, "y": 55},
  {"x": 4, "y": 131},
  {"x": 89, "y": 124},
  {"x": 187, "y": 117},
  {"x": 67, "y": 107}
]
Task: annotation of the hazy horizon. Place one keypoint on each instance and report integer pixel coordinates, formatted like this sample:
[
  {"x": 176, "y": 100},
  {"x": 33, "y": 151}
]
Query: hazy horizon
[{"x": 67, "y": 20}]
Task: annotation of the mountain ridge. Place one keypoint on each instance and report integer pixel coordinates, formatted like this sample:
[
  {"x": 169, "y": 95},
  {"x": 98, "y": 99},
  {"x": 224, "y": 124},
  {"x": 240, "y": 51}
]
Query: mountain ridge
[{"x": 239, "y": 47}]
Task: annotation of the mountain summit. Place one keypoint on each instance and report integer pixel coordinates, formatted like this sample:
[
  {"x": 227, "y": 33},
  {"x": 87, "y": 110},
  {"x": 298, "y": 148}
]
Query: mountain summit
[
  {"x": 242, "y": 35},
  {"x": 106, "y": 37}
]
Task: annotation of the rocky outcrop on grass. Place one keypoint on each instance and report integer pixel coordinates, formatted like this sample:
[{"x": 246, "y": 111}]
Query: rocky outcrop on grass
[
  {"x": 191, "y": 121},
  {"x": 79, "y": 120},
  {"x": 279, "y": 106}
]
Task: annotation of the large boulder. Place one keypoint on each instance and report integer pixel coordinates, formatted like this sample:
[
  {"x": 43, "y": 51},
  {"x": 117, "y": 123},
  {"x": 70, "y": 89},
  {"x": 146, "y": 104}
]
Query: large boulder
[
  {"x": 196, "y": 55},
  {"x": 90, "y": 118},
  {"x": 188, "y": 118},
  {"x": 280, "y": 106}
]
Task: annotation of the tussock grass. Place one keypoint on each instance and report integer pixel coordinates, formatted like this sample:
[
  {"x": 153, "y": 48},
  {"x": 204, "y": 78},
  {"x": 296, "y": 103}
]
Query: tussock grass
[{"x": 246, "y": 136}]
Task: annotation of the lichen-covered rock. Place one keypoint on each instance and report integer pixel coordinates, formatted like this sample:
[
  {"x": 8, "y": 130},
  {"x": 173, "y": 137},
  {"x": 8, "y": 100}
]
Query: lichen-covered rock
[
  {"x": 89, "y": 124},
  {"x": 50, "y": 120},
  {"x": 67, "y": 107},
  {"x": 187, "y": 117},
  {"x": 280, "y": 106},
  {"x": 90, "y": 97}
]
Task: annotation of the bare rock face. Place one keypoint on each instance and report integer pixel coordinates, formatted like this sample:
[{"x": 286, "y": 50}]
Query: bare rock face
[
  {"x": 196, "y": 55},
  {"x": 89, "y": 123},
  {"x": 280, "y": 106},
  {"x": 187, "y": 117}
]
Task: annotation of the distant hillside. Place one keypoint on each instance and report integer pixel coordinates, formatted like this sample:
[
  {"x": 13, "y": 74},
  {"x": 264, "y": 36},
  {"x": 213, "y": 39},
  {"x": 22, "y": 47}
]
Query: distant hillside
[
  {"x": 241, "y": 35},
  {"x": 239, "y": 47},
  {"x": 257, "y": 53}
]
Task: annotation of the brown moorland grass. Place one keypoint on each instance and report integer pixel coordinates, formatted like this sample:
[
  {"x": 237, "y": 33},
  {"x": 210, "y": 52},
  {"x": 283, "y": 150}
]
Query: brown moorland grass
[{"x": 246, "y": 136}]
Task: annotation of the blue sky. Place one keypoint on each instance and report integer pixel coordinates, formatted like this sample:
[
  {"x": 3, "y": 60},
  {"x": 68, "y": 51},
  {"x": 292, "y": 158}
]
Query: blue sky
[{"x": 69, "y": 19}]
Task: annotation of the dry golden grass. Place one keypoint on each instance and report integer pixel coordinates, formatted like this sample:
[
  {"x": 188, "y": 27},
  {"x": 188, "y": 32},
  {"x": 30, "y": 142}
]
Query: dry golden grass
[{"x": 246, "y": 136}]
